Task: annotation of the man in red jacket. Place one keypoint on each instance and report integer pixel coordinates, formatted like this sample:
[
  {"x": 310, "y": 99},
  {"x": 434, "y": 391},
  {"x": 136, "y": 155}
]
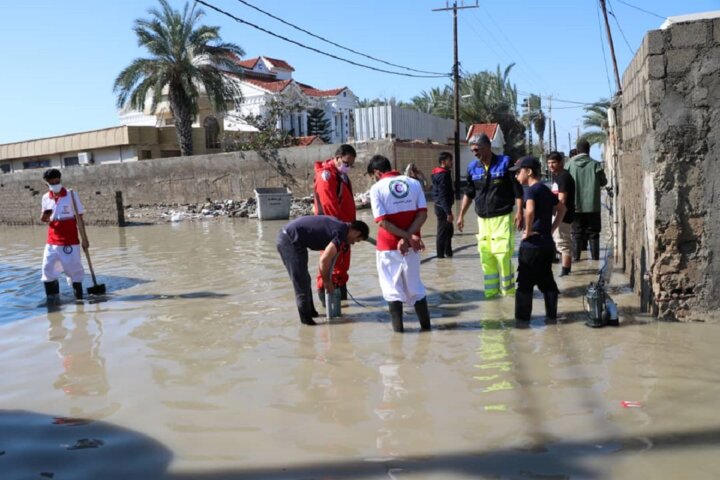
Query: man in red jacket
[{"x": 334, "y": 197}]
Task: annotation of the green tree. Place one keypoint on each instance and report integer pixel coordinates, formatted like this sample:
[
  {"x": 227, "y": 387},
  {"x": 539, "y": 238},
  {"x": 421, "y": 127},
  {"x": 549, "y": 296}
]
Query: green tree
[
  {"x": 596, "y": 117},
  {"x": 318, "y": 125},
  {"x": 185, "y": 59}
]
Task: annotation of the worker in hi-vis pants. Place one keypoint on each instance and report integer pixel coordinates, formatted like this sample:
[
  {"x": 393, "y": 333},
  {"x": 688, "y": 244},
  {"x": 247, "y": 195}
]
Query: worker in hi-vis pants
[{"x": 495, "y": 191}]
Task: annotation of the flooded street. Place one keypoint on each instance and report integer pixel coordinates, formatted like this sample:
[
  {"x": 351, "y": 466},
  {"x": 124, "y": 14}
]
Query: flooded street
[{"x": 196, "y": 366}]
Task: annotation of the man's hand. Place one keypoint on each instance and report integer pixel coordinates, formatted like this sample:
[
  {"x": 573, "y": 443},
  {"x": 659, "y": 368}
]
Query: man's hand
[
  {"x": 45, "y": 218},
  {"x": 416, "y": 243},
  {"x": 403, "y": 247},
  {"x": 527, "y": 234},
  {"x": 460, "y": 223},
  {"x": 518, "y": 221},
  {"x": 328, "y": 285},
  {"x": 450, "y": 217}
]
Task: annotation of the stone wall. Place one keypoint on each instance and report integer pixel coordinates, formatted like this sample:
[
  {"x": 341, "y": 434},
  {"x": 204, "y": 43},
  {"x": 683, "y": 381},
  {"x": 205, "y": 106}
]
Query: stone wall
[
  {"x": 193, "y": 179},
  {"x": 668, "y": 176}
]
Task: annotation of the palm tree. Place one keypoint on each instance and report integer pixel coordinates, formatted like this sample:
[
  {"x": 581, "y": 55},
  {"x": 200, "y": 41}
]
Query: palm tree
[
  {"x": 596, "y": 117},
  {"x": 185, "y": 59},
  {"x": 538, "y": 122}
]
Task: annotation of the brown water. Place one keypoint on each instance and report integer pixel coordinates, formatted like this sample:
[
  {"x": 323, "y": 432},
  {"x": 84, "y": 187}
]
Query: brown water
[{"x": 196, "y": 366}]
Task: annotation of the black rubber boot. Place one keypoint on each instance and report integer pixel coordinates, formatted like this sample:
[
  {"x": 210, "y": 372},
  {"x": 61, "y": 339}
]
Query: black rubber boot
[
  {"x": 78, "y": 289},
  {"x": 321, "y": 296},
  {"x": 423, "y": 314},
  {"x": 577, "y": 246},
  {"x": 565, "y": 271},
  {"x": 595, "y": 248},
  {"x": 343, "y": 292},
  {"x": 523, "y": 305},
  {"x": 306, "y": 319},
  {"x": 314, "y": 313},
  {"x": 52, "y": 292},
  {"x": 551, "y": 302},
  {"x": 396, "y": 315}
]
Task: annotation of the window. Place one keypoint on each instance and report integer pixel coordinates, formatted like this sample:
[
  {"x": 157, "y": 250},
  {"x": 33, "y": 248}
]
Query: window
[
  {"x": 5, "y": 168},
  {"x": 71, "y": 161},
  {"x": 212, "y": 132},
  {"x": 169, "y": 153},
  {"x": 145, "y": 154},
  {"x": 36, "y": 164}
]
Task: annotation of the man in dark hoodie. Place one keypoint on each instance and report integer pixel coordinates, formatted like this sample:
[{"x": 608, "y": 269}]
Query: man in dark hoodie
[
  {"x": 589, "y": 177},
  {"x": 444, "y": 196}
]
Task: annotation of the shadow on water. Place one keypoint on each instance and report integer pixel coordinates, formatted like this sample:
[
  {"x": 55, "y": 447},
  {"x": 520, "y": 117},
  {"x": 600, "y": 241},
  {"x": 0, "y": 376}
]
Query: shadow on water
[
  {"x": 22, "y": 294},
  {"x": 34, "y": 445}
]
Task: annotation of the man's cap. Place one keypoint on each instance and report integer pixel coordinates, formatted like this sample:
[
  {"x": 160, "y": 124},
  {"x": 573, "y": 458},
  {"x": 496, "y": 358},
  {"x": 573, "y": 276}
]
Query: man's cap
[{"x": 526, "y": 162}]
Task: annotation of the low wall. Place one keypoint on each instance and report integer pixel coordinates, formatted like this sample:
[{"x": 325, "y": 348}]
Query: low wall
[{"x": 195, "y": 179}]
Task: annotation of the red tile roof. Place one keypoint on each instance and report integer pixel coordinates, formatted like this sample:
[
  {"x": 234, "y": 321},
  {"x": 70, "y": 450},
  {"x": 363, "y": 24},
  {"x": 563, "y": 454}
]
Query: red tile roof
[
  {"x": 314, "y": 92},
  {"x": 269, "y": 85},
  {"x": 250, "y": 63},
  {"x": 489, "y": 129},
  {"x": 281, "y": 64}
]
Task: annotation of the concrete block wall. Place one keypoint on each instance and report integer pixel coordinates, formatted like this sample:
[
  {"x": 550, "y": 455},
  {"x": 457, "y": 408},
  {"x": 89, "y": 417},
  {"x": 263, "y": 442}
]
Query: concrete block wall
[
  {"x": 669, "y": 180},
  {"x": 179, "y": 180},
  {"x": 21, "y": 194}
]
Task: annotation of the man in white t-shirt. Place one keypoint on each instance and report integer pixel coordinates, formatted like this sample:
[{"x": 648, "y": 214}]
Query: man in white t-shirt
[
  {"x": 398, "y": 205},
  {"x": 62, "y": 249}
]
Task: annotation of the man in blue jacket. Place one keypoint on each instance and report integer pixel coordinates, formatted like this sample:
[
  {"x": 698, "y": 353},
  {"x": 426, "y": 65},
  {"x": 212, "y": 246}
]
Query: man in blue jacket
[
  {"x": 495, "y": 191},
  {"x": 444, "y": 196}
]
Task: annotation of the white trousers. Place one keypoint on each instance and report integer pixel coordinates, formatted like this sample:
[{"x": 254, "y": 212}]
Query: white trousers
[
  {"x": 400, "y": 276},
  {"x": 58, "y": 259}
]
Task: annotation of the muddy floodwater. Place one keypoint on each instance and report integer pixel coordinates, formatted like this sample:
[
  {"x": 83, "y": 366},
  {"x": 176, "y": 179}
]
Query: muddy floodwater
[{"x": 195, "y": 366}]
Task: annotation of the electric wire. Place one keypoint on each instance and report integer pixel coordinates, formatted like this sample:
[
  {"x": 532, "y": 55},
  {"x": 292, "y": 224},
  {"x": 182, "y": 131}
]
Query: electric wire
[
  {"x": 331, "y": 42},
  {"x": 294, "y": 42},
  {"x": 617, "y": 22},
  {"x": 642, "y": 10},
  {"x": 602, "y": 45}
]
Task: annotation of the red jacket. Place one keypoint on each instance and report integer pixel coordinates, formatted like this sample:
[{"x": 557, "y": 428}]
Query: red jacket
[{"x": 333, "y": 192}]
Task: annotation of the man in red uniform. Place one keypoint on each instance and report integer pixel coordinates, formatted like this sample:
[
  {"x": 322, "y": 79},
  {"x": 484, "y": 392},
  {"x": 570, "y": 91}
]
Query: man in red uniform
[
  {"x": 62, "y": 251},
  {"x": 334, "y": 197}
]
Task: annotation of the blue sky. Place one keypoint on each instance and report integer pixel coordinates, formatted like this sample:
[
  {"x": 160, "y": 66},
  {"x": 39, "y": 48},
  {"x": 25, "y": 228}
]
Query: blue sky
[{"x": 61, "y": 57}]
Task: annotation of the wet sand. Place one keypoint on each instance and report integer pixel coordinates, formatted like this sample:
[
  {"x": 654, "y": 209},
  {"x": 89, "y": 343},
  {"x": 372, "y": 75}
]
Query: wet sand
[{"x": 196, "y": 366}]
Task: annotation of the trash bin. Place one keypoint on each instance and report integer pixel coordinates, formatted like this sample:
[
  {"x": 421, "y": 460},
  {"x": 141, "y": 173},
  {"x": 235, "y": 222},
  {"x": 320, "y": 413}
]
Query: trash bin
[{"x": 273, "y": 203}]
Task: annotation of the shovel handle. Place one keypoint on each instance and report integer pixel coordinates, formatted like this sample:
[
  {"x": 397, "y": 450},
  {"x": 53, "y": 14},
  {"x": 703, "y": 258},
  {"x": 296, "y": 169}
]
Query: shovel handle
[{"x": 83, "y": 234}]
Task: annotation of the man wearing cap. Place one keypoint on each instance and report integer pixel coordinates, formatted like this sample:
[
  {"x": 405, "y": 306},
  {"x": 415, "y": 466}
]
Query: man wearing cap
[
  {"x": 319, "y": 233},
  {"x": 537, "y": 248},
  {"x": 495, "y": 191},
  {"x": 334, "y": 197},
  {"x": 62, "y": 249},
  {"x": 398, "y": 205}
]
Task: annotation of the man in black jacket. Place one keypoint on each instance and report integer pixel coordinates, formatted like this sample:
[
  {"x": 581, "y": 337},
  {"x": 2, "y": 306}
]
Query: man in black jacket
[{"x": 442, "y": 190}]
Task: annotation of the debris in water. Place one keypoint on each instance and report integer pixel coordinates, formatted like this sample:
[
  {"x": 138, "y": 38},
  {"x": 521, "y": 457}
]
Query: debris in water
[
  {"x": 87, "y": 443},
  {"x": 630, "y": 404}
]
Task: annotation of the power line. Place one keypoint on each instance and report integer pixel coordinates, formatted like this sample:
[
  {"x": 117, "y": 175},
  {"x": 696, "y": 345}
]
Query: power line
[
  {"x": 617, "y": 22},
  {"x": 602, "y": 45},
  {"x": 642, "y": 10},
  {"x": 239, "y": 20},
  {"x": 333, "y": 43}
]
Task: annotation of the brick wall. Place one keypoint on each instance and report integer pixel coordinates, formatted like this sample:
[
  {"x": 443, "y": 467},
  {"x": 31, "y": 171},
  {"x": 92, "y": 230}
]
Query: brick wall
[{"x": 668, "y": 176}]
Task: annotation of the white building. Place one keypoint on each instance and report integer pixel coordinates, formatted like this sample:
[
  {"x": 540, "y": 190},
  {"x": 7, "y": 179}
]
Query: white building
[{"x": 263, "y": 81}]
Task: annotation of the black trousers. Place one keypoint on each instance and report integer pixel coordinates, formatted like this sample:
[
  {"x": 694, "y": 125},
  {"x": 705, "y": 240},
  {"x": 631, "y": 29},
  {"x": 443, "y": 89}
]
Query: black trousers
[
  {"x": 445, "y": 232},
  {"x": 586, "y": 226},
  {"x": 295, "y": 260},
  {"x": 535, "y": 268}
]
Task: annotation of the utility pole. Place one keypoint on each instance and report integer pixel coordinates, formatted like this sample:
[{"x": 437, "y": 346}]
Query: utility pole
[
  {"x": 612, "y": 47},
  {"x": 555, "y": 135},
  {"x": 456, "y": 83},
  {"x": 550, "y": 123},
  {"x": 569, "y": 143}
]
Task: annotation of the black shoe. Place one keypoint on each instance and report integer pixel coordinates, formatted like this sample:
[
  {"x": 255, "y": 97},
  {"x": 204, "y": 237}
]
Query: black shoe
[
  {"x": 343, "y": 292},
  {"x": 52, "y": 292},
  {"x": 595, "y": 248},
  {"x": 440, "y": 256},
  {"x": 78, "y": 288},
  {"x": 523, "y": 305},
  {"x": 421, "y": 309},
  {"x": 565, "y": 271},
  {"x": 305, "y": 320},
  {"x": 396, "y": 316},
  {"x": 321, "y": 296},
  {"x": 314, "y": 313},
  {"x": 551, "y": 302}
]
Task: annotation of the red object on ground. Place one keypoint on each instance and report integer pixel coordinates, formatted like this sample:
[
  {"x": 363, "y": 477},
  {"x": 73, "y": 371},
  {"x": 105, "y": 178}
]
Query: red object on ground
[{"x": 629, "y": 404}]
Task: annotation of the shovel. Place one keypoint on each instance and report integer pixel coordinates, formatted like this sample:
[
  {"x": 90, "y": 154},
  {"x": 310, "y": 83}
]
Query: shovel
[{"x": 97, "y": 288}]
